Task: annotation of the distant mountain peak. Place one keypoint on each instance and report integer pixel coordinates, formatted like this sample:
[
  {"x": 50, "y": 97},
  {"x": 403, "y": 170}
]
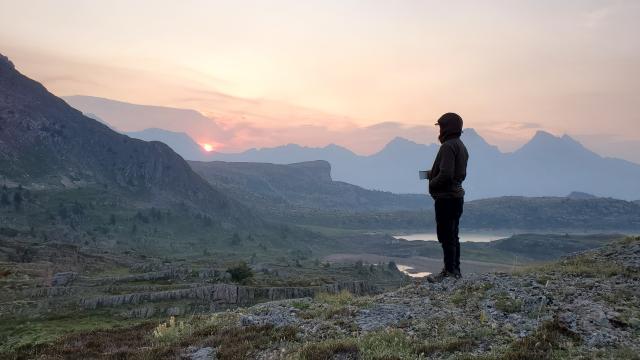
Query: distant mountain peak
[
  {"x": 293, "y": 146},
  {"x": 4, "y": 61},
  {"x": 579, "y": 195},
  {"x": 400, "y": 139},
  {"x": 155, "y": 129},
  {"x": 470, "y": 132},
  {"x": 400, "y": 142},
  {"x": 473, "y": 135},
  {"x": 336, "y": 147},
  {"x": 569, "y": 139},
  {"x": 546, "y": 140},
  {"x": 541, "y": 134},
  {"x": 544, "y": 136},
  {"x": 399, "y": 145}
]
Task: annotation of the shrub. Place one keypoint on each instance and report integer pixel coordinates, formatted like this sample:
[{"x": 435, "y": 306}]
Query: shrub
[
  {"x": 547, "y": 339},
  {"x": 387, "y": 344},
  {"x": 507, "y": 304},
  {"x": 171, "y": 331},
  {"x": 240, "y": 272}
]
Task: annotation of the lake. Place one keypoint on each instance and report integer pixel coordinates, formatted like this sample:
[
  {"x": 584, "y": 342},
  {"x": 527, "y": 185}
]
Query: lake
[
  {"x": 407, "y": 270},
  {"x": 464, "y": 237}
]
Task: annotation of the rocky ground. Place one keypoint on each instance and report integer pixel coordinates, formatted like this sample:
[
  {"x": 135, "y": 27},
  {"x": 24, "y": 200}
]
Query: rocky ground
[{"x": 584, "y": 306}]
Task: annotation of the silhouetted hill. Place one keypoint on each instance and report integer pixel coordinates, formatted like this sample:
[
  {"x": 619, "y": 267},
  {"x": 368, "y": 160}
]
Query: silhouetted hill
[
  {"x": 45, "y": 143},
  {"x": 580, "y": 195},
  {"x": 544, "y": 247},
  {"x": 557, "y": 213},
  {"x": 297, "y": 186},
  {"x": 123, "y": 115},
  {"x": 180, "y": 142}
]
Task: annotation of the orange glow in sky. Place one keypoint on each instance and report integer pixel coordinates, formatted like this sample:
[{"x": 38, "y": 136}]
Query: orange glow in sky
[
  {"x": 267, "y": 73},
  {"x": 208, "y": 147}
]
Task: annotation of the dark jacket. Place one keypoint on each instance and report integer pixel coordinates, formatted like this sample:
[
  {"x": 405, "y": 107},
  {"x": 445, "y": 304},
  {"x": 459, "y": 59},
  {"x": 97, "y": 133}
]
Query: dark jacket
[{"x": 449, "y": 169}]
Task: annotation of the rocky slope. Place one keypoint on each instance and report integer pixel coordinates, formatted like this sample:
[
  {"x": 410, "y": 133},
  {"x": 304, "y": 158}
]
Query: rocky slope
[
  {"x": 584, "y": 306},
  {"x": 45, "y": 143},
  {"x": 589, "y": 301}
]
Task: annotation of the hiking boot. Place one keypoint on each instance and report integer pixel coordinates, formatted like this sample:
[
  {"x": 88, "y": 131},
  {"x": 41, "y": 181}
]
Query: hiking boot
[
  {"x": 439, "y": 277},
  {"x": 457, "y": 274}
]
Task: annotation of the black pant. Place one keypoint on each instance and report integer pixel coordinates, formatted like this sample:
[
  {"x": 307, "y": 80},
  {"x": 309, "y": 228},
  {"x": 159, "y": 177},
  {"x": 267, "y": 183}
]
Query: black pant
[{"x": 448, "y": 212}]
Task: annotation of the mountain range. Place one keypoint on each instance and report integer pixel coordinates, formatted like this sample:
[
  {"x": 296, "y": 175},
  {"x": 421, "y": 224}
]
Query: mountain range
[{"x": 547, "y": 165}]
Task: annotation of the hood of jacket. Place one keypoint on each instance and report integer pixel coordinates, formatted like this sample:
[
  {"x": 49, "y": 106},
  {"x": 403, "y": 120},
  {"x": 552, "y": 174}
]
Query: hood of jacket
[{"x": 450, "y": 126}]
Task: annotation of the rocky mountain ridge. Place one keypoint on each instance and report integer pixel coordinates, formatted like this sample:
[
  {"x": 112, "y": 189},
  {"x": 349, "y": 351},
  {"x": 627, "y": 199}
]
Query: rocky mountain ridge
[{"x": 45, "y": 143}]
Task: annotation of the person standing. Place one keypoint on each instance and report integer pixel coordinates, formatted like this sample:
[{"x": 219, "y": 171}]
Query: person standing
[{"x": 448, "y": 172}]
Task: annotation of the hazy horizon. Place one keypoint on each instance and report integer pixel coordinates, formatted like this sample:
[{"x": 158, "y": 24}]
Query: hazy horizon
[{"x": 289, "y": 72}]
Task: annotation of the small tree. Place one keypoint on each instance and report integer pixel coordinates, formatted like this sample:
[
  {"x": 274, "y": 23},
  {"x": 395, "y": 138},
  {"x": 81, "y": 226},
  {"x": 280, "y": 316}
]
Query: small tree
[
  {"x": 392, "y": 266},
  {"x": 240, "y": 272},
  {"x": 235, "y": 240},
  {"x": 4, "y": 198}
]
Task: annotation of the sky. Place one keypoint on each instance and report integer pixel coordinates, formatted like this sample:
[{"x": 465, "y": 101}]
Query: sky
[{"x": 317, "y": 72}]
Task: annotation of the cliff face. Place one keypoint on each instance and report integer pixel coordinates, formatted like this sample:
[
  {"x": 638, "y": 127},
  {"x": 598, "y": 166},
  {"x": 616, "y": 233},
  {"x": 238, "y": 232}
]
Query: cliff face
[
  {"x": 305, "y": 186},
  {"x": 226, "y": 294}
]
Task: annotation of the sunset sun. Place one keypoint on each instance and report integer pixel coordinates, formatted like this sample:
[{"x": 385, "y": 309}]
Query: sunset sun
[{"x": 208, "y": 147}]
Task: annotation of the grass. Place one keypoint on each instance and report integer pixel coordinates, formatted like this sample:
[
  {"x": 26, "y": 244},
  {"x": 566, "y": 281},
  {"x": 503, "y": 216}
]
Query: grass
[
  {"x": 167, "y": 340},
  {"x": 622, "y": 352},
  {"x": 326, "y": 350},
  {"x": 236, "y": 343},
  {"x": 445, "y": 346},
  {"x": 590, "y": 267},
  {"x": 87, "y": 345},
  {"x": 507, "y": 304},
  {"x": 471, "y": 293},
  {"x": 338, "y": 305},
  {"x": 550, "y": 338},
  {"x": 300, "y": 305},
  {"x": 16, "y": 334},
  {"x": 583, "y": 265},
  {"x": 343, "y": 298},
  {"x": 389, "y": 344}
]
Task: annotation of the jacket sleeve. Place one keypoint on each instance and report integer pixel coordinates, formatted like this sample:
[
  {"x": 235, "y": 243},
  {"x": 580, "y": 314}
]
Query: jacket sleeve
[{"x": 447, "y": 168}]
